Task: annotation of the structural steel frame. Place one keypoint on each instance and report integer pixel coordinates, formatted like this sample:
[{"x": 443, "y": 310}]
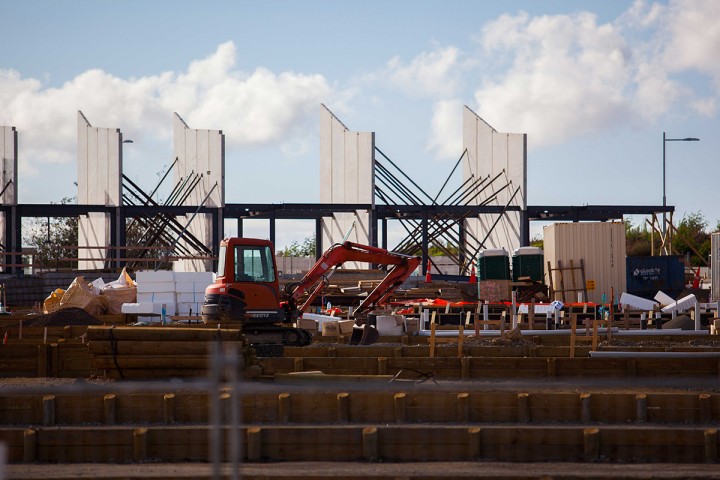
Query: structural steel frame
[{"x": 379, "y": 214}]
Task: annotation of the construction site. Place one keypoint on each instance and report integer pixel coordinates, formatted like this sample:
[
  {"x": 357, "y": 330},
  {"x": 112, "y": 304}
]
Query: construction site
[{"x": 171, "y": 350}]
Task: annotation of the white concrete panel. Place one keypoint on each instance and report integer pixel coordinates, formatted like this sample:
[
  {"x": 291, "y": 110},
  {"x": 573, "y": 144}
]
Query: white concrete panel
[
  {"x": 199, "y": 152},
  {"x": 99, "y": 182},
  {"x": 347, "y": 166},
  {"x": 8, "y": 175},
  {"x": 491, "y": 153}
]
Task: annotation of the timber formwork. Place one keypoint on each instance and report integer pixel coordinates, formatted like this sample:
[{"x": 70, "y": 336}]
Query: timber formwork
[{"x": 377, "y": 403}]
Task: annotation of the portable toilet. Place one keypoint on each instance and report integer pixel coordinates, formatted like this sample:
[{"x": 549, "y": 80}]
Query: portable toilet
[
  {"x": 528, "y": 262},
  {"x": 493, "y": 264}
]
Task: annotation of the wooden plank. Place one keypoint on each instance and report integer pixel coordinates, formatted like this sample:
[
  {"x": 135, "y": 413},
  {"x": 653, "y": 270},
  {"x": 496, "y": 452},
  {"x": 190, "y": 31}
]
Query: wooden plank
[
  {"x": 176, "y": 348},
  {"x": 166, "y": 333},
  {"x": 150, "y": 361}
]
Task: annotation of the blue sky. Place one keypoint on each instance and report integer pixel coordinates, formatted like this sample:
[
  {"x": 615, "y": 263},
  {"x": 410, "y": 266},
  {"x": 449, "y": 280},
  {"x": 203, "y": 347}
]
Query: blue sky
[{"x": 593, "y": 84}]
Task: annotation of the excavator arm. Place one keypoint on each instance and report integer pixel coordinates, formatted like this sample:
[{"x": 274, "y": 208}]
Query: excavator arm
[{"x": 402, "y": 267}]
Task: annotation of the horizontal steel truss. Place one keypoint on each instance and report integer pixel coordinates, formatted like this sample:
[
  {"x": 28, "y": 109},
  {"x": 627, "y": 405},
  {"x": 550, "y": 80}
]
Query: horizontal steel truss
[{"x": 379, "y": 214}]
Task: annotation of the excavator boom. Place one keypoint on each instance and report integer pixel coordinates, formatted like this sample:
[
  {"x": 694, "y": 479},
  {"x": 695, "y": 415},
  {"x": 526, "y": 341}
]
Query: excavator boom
[{"x": 402, "y": 267}]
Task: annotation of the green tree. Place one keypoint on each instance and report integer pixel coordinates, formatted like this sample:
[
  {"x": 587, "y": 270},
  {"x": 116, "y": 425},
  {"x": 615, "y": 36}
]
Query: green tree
[
  {"x": 51, "y": 236},
  {"x": 440, "y": 251},
  {"x": 692, "y": 239},
  {"x": 537, "y": 241},
  {"x": 637, "y": 239},
  {"x": 297, "y": 249}
]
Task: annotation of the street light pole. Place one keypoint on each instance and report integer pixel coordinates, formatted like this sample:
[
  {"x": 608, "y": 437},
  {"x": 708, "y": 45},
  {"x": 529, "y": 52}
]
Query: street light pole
[{"x": 665, "y": 140}]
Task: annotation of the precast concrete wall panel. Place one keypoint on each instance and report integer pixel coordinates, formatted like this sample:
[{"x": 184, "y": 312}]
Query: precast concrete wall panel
[
  {"x": 715, "y": 267},
  {"x": 99, "y": 183},
  {"x": 601, "y": 247},
  {"x": 491, "y": 153},
  {"x": 347, "y": 175},
  {"x": 199, "y": 152},
  {"x": 8, "y": 177}
]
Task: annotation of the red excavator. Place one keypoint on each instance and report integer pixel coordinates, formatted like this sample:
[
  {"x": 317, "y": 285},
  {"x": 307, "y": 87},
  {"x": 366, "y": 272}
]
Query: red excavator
[{"x": 246, "y": 289}]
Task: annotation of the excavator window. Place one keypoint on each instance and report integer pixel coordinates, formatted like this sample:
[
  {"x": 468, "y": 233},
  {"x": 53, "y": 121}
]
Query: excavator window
[{"x": 254, "y": 264}]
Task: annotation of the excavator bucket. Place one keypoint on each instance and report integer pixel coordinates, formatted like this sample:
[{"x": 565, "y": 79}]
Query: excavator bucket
[{"x": 365, "y": 335}]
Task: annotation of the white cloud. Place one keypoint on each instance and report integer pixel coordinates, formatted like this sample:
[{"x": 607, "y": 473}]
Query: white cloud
[
  {"x": 693, "y": 31},
  {"x": 252, "y": 108},
  {"x": 446, "y": 131},
  {"x": 429, "y": 73},
  {"x": 568, "y": 75}
]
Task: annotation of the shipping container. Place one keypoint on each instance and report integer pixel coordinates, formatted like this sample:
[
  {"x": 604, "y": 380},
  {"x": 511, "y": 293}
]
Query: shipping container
[
  {"x": 493, "y": 264},
  {"x": 648, "y": 275},
  {"x": 528, "y": 262},
  {"x": 600, "y": 246}
]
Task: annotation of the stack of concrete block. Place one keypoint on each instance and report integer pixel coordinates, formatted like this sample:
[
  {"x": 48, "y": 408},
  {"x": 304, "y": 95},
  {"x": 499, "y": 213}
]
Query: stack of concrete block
[
  {"x": 182, "y": 293},
  {"x": 190, "y": 291}
]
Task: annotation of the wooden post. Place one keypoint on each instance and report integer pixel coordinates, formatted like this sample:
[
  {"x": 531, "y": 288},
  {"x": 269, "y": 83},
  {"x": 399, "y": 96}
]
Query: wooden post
[
  {"x": 595, "y": 335},
  {"x": 109, "y": 408},
  {"x": 476, "y": 323},
  {"x": 465, "y": 368},
  {"x": 474, "y": 443},
  {"x": 611, "y": 317},
  {"x": 711, "y": 445},
  {"x": 29, "y": 446},
  {"x": 641, "y": 408},
  {"x": 140, "y": 444},
  {"x": 370, "y": 444},
  {"x": 585, "y": 412},
  {"x": 169, "y": 408},
  {"x": 523, "y": 407},
  {"x": 461, "y": 337},
  {"x": 631, "y": 368},
  {"x": 284, "y": 407},
  {"x": 382, "y": 365},
  {"x": 343, "y": 407},
  {"x": 705, "y": 408},
  {"x": 551, "y": 368},
  {"x": 573, "y": 333},
  {"x": 48, "y": 410},
  {"x": 432, "y": 340},
  {"x": 42, "y": 363},
  {"x": 398, "y": 351},
  {"x": 254, "y": 444},
  {"x": 225, "y": 399},
  {"x": 591, "y": 444},
  {"x": 400, "y": 407},
  {"x": 531, "y": 314},
  {"x": 463, "y": 407},
  {"x": 54, "y": 363},
  {"x": 298, "y": 364}
]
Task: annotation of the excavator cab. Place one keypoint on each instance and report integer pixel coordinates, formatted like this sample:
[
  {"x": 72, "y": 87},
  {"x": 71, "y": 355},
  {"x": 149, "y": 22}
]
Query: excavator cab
[{"x": 246, "y": 287}]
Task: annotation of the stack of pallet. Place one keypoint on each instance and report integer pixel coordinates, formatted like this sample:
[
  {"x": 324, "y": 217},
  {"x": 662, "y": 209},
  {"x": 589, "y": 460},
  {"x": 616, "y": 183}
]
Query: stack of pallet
[{"x": 155, "y": 352}]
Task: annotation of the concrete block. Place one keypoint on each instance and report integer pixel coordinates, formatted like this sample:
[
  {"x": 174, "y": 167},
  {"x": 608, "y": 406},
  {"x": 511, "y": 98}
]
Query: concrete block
[
  {"x": 390, "y": 324},
  {"x": 157, "y": 297},
  {"x": 147, "y": 308},
  {"x": 191, "y": 287},
  {"x": 193, "y": 297},
  {"x": 150, "y": 287},
  {"x": 154, "y": 276},
  {"x": 195, "y": 277}
]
